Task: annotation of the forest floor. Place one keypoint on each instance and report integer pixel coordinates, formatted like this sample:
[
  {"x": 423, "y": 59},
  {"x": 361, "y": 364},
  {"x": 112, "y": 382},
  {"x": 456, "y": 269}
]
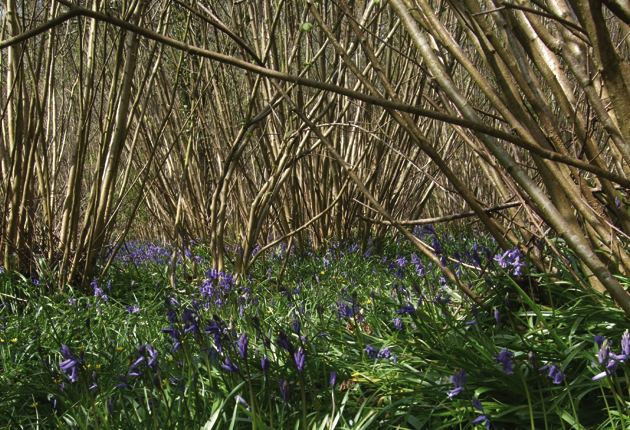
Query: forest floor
[{"x": 341, "y": 337}]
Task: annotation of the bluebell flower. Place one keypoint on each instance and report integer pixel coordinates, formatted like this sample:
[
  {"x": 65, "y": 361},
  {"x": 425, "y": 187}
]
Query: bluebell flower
[
  {"x": 133, "y": 369},
  {"x": 505, "y": 357},
  {"x": 229, "y": 366},
  {"x": 95, "y": 384},
  {"x": 70, "y": 364},
  {"x": 459, "y": 380},
  {"x": 599, "y": 340},
  {"x": 124, "y": 383},
  {"x": 284, "y": 389},
  {"x": 407, "y": 309},
  {"x": 401, "y": 261},
  {"x": 265, "y": 363},
  {"x": 474, "y": 310},
  {"x": 152, "y": 363},
  {"x": 333, "y": 378},
  {"x": 497, "y": 316},
  {"x": 296, "y": 326},
  {"x": 371, "y": 352},
  {"x": 285, "y": 342},
  {"x": 436, "y": 246},
  {"x": 110, "y": 406},
  {"x": 242, "y": 343},
  {"x": 385, "y": 353},
  {"x": 483, "y": 417},
  {"x": 299, "y": 358},
  {"x": 397, "y": 323}
]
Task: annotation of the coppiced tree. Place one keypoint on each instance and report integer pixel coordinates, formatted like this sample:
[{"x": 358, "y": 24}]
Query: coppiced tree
[{"x": 246, "y": 124}]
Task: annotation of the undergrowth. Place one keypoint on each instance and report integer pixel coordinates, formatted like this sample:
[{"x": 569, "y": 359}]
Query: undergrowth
[{"x": 339, "y": 338}]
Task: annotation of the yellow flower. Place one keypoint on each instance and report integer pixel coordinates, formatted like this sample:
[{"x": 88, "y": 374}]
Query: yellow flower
[
  {"x": 34, "y": 405},
  {"x": 2, "y": 340},
  {"x": 98, "y": 367},
  {"x": 354, "y": 375},
  {"x": 323, "y": 272},
  {"x": 82, "y": 347},
  {"x": 14, "y": 340},
  {"x": 369, "y": 301},
  {"x": 119, "y": 348}
]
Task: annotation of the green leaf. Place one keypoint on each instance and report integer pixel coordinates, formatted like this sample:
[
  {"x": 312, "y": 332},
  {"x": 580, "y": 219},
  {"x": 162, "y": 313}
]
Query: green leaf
[{"x": 306, "y": 26}]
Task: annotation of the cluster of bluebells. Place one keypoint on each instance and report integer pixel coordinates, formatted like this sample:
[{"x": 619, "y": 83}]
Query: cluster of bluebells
[
  {"x": 143, "y": 254},
  {"x": 383, "y": 353},
  {"x": 217, "y": 288},
  {"x": 511, "y": 261},
  {"x": 98, "y": 291},
  {"x": 609, "y": 360}
]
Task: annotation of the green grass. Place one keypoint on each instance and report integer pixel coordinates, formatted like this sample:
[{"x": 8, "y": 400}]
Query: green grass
[{"x": 552, "y": 318}]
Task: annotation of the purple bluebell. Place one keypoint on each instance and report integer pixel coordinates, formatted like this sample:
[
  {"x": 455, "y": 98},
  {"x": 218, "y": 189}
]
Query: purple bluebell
[
  {"x": 70, "y": 364},
  {"x": 436, "y": 246},
  {"x": 95, "y": 384},
  {"x": 191, "y": 321},
  {"x": 229, "y": 366},
  {"x": 133, "y": 309},
  {"x": 397, "y": 323},
  {"x": 497, "y": 316},
  {"x": 296, "y": 326},
  {"x": 110, "y": 406},
  {"x": 483, "y": 417},
  {"x": 240, "y": 400},
  {"x": 599, "y": 340},
  {"x": 285, "y": 342},
  {"x": 459, "y": 380},
  {"x": 474, "y": 310},
  {"x": 407, "y": 309},
  {"x": 284, "y": 389},
  {"x": 371, "y": 352},
  {"x": 505, "y": 357},
  {"x": 133, "y": 368},
  {"x": 242, "y": 343},
  {"x": 385, "y": 353},
  {"x": 265, "y": 363},
  {"x": 124, "y": 383},
  {"x": 152, "y": 363},
  {"x": 299, "y": 357},
  {"x": 175, "y": 337},
  {"x": 333, "y": 378},
  {"x": 558, "y": 378}
]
